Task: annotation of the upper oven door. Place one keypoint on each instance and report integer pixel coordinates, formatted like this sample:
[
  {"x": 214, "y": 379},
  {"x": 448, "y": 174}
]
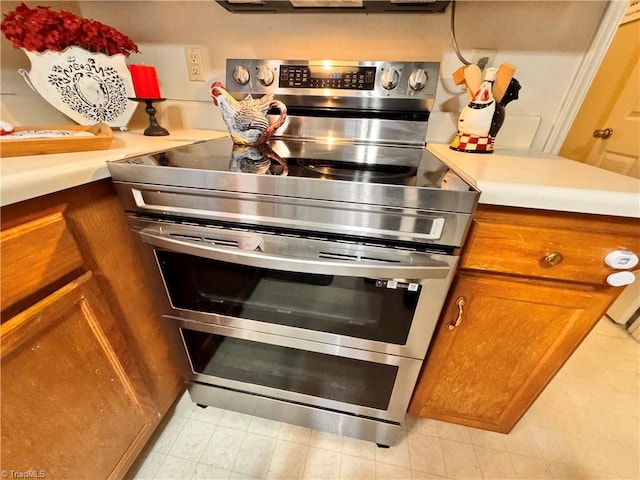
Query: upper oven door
[{"x": 367, "y": 297}]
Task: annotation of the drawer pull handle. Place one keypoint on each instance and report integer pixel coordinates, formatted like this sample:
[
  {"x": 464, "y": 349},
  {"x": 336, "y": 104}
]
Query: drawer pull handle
[
  {"x": 460, "y": 302},
  {"x": 551, "y": 259}
]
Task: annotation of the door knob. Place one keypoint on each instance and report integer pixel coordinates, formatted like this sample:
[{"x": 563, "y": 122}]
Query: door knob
[{"x": 604, "y": 134}]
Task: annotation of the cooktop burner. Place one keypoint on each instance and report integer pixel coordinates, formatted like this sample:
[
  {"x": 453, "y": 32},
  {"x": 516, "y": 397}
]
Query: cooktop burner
[{"x": 339, "y": 170}]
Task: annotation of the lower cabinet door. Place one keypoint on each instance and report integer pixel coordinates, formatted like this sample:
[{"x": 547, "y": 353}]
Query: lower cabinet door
[
  {"x": 72, "y": 405},
  {"x": 500, "y": 341}
]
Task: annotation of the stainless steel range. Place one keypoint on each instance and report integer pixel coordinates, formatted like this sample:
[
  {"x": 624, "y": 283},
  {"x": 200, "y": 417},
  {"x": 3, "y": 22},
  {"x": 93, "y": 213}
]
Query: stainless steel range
[{"x": 304, "y": 278}]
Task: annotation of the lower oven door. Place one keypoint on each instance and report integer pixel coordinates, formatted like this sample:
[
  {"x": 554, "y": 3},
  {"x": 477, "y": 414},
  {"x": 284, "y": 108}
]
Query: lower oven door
[
  {"x": 300, "y": 372},
  {"x": 372, "y": 298}
]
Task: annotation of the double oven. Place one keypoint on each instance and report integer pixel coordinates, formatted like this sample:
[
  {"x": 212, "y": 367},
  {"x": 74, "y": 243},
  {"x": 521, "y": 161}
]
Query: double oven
[{"x": 303, "y": 279}]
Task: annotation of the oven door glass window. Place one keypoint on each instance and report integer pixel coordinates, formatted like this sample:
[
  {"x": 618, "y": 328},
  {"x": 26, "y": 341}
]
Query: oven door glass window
[
  {"x": 357, "y": 307},
  {"x": 346, "y": 380}
]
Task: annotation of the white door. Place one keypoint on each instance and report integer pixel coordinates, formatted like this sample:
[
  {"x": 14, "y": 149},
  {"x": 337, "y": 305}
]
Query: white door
[
  {"x": 611, "y": 108},
  {"x": 620, "y": 152}
]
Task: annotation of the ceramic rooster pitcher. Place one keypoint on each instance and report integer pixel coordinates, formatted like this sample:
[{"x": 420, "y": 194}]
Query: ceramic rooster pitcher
[
  {"x": 260, "y": 159},
  {"x": 247, "y": 119}
]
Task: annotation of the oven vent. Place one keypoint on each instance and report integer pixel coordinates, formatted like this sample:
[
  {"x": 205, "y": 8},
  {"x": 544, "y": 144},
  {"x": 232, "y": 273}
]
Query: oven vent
[
  {"x": 337, "y": 256},
  {"x": 210, "y": 240},
  {"x": 354, "y": 258},
  {"x": 221, "y": 241},
  {"x": 374, "y": 259},
  {"x": 181, "y": 236}
]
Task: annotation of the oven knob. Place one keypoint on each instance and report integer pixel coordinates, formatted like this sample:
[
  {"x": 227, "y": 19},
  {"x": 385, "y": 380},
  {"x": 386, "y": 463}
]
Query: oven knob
[
  {"x": 390, "y": 79},
  {"x": 241, "y": 75},
  {"x": 265, "y": 76},
  {"x": 418, "y": 79}
]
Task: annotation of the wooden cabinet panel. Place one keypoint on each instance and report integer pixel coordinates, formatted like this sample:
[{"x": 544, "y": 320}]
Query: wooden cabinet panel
[
  {"x": 521, "y": 321},
  {"x": 95, "y": 219},
  {"x": 513, "y": 336},
  {"x": 35, "y": 255},
  {"x": 521, "y": 249},
  {"x": 96, "y": 216},
  {"x": 87, "y": 365},
  {"x": 70, "y": 406}
]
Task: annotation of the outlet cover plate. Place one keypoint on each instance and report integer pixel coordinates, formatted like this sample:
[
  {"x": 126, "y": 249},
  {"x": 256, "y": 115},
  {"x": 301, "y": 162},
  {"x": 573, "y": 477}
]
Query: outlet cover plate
[{"x": 195, "y": 66}]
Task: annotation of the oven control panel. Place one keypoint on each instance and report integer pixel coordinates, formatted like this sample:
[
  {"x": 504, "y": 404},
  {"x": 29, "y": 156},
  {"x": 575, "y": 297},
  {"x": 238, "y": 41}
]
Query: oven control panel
[
  {"x": 343, "y": 78},
  {"x": 378, "y": 79}
]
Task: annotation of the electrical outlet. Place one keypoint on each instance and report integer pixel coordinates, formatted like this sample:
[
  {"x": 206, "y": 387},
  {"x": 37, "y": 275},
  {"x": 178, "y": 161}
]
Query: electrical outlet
[
  {"x": 483, "y": 57},
  {"x": 195, "y": 67}
]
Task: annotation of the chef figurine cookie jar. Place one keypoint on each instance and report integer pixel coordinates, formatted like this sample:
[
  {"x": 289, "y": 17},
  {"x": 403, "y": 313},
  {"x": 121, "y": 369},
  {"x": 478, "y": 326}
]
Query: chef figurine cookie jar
[
  {"x": 475, "y": 132},
  {"x": 481, "y": 119}
]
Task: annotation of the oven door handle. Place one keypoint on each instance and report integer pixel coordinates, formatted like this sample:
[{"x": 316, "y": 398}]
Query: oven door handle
[{"x": 440, "y": 266}]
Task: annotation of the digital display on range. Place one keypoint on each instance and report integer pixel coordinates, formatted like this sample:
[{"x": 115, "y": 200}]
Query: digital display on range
[{"x": 339, "y": 77}]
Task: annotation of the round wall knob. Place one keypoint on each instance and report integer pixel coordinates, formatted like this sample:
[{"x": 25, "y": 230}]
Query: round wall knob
[
  {"x": 620, "y": 279},
  {"x": 389, "y": 79},
  {"x": 621, "y": 259},
  {"x": 418, "y": 79},
  {"x": 241, "y": 75},
  {"x": 265, "y": 76}
]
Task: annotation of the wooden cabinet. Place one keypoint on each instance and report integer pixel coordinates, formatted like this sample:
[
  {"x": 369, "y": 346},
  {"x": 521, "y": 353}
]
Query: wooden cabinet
[
  {"x": 87, "y": 370},
  {"x": 512, "y": 316},
  {"x": 70, "y": 407}
]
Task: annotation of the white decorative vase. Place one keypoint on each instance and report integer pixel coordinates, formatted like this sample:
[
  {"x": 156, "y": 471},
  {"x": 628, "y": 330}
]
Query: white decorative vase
[{"x": 87, "y": 87}]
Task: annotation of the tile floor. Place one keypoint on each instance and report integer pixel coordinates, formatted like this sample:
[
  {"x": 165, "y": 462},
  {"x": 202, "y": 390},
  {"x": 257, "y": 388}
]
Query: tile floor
[{"x": 585, "y": 425}]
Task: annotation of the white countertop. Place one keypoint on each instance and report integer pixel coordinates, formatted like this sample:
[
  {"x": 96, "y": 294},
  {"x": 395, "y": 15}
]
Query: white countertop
[
  {"x": 22, "y": 178},
  {"x": 531, "y": 179}
]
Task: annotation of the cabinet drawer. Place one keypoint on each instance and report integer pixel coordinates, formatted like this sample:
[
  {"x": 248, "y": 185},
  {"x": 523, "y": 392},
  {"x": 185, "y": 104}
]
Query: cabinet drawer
[
  {"x": 36, "y": 255},
  {"x": 543, "y": 252}
]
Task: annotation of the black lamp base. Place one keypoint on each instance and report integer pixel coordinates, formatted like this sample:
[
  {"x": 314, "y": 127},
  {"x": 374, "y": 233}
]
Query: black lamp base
[{"x": 154, "y": 129}]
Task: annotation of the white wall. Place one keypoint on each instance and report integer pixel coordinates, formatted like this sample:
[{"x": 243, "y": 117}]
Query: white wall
[{"x": 545, "y": 40}]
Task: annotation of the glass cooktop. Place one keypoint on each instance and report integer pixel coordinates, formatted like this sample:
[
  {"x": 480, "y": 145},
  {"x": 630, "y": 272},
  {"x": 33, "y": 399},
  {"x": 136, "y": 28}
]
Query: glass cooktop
[{"x": 363, "y": 163}]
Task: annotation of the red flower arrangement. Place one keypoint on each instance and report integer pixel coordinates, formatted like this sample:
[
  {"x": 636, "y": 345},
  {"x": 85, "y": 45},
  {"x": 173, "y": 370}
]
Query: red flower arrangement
[{"x": 41, "y": 29}]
